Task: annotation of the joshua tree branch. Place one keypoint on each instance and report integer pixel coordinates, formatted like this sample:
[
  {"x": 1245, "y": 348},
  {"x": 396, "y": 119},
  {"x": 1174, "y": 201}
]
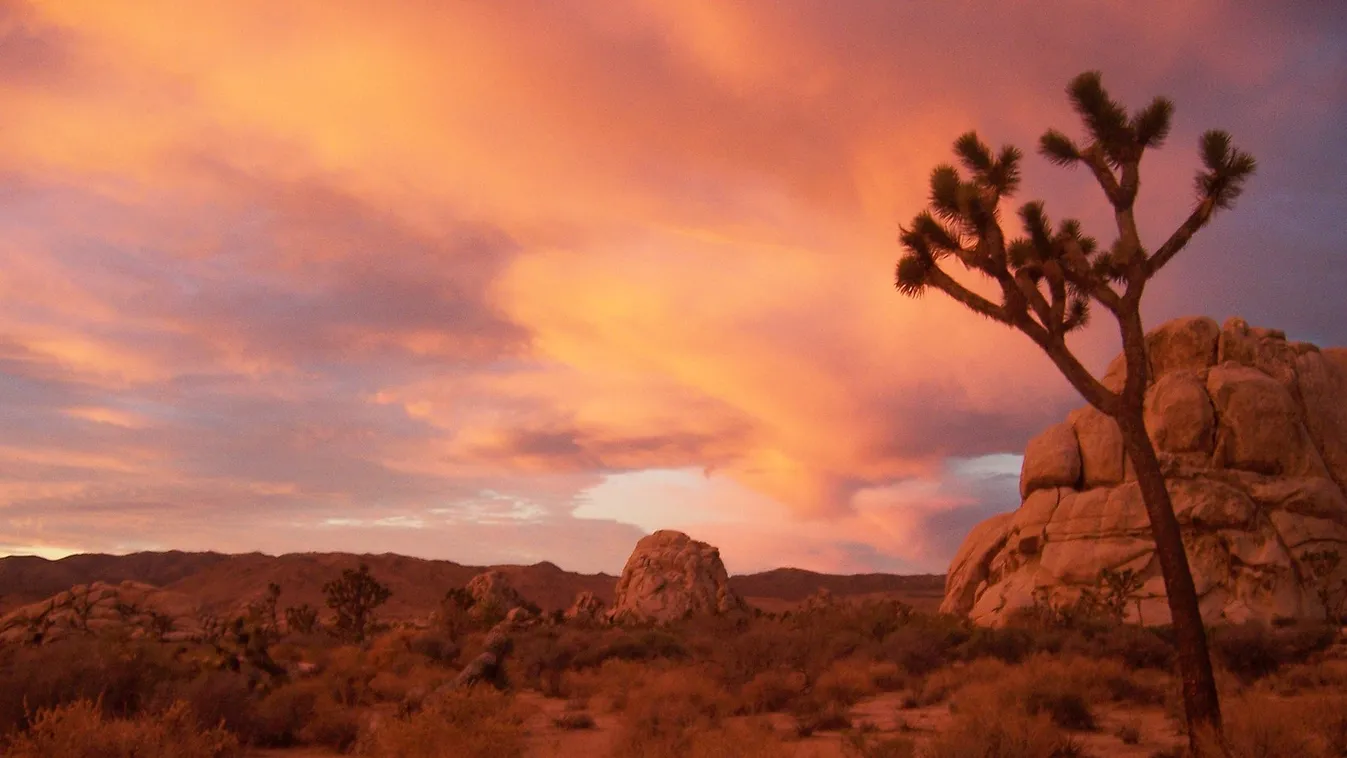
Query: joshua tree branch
[
  {"x": 1176, "y": 242},
  {"x": 971, "y": 300}
]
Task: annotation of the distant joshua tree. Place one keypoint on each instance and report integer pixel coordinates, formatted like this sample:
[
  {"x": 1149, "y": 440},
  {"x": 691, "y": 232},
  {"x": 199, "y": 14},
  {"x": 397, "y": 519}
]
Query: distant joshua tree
[
  {"x": 301, "y": 619},
  {"x": 354, "y": 597},
  {"x": 1048, "y": 280}
]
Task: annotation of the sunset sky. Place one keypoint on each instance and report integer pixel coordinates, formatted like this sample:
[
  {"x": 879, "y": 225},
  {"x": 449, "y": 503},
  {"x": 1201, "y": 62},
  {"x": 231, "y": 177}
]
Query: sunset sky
[{"x": 503, "y": 282}]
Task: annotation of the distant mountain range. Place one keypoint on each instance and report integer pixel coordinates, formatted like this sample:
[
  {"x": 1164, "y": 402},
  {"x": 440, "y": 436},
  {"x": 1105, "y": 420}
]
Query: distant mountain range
[{"x": 226, "y": 583}]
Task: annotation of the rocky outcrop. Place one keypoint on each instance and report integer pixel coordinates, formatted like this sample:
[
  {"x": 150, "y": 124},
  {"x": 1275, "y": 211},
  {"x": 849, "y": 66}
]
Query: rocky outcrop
[
  {"x": 587, "y": 608},
  {"x": 670, "y": 576},
  {"x": 492, "y": 594},
  {"x": 1251, "y": 430},
  {"x": 127, "y": 609}
]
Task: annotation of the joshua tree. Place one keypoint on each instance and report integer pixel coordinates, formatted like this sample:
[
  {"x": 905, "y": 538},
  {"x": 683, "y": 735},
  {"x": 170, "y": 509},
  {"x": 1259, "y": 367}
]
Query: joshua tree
[
  {"x": 354, "y": 597},
  {"x": 1048, "y": 280},
  {"x": 301, "y": 619}
]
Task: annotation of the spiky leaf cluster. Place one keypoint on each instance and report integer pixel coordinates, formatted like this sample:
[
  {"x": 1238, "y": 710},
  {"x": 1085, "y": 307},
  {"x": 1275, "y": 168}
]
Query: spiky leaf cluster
[
  {"x": 1047, "y": 274},
  {"x": 1050, "y": 275}
]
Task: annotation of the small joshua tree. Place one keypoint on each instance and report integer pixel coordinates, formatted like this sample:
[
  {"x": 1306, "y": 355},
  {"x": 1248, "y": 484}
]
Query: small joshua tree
[
  {"x": 1048, "y": 280},
  {"x": 262, "y": 613},
  {"x": 354, "y": 597},
  {"x": 1117, "y": 588},
  {"x": 301, "y": 619}
]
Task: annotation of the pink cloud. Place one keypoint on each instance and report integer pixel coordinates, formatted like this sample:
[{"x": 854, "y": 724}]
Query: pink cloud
[{"x": 333, "y": 264}]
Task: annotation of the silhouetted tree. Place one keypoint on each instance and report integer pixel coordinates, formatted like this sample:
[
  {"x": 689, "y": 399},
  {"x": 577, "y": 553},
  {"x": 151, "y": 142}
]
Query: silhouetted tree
[
  {"x": 1048, "y": 280},
  {"x": 354, "y": 597}
]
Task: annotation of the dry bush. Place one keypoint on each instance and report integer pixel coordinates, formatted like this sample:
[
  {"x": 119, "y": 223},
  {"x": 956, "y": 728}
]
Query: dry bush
[
  {"x": 772, "y": 690},
  {"x": 331, "y": 724},
  {"x": 865, "y": 742},
  {"x": 1254, "y": 650},
  {"x": 80, "y": 730},
  {"x": 812, "y": 714},
  {"x": 1007, "y": 733},
  {"x": 613, "y": 681},
  {"x": 665, "y": 712},
  {"x": 940, "y": 684},
  {"x": 845, "y": 682},
  {"x": 887, "y": 676},
  {"x": 572, "y": 720},
  {"x": 479, "y": 722},
  {"x": 121, "y": 675},
  {"x": 1262, "y": 726},
  {"x": 1300, "y": 678}
]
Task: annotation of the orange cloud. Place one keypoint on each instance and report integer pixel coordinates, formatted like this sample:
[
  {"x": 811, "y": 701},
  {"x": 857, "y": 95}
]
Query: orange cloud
[{"x": 362, "y": 265}]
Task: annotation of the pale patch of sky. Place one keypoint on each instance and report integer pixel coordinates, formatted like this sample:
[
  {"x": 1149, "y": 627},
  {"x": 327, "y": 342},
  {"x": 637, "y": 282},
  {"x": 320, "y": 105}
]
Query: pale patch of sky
[
  {"x": 49, "y": 552},
  {"x": 996, "y": 464},
  {"x": 663, "y": 498}
]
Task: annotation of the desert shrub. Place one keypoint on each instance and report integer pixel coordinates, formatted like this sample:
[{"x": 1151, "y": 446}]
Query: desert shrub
[
  {"x": 479, "y": 722},
  {"x": 998, "y": 731},
  {"x": 664, "y": 714},
  {"x": 1011, "y": 644},
  {"x": 919, "y": 649},
  {"x": 1138, "y": 647},
  {"x": 81, "y": 730},
  {"x": 1129, "y": 732},
  {"x": 631, "y": 645},
  {"x": 886, "y": 676},
  {"x": 331, "y": 724},
  {"x": 814, "y": 714},
  {"x": 772, "y": 690},
  {"x": 845, "y": 682},
  {"x": 121, "y": 675},
  {"x": 571, "y": 720},
  {"x": 435, "y": 647},
  {"x": 1062, "y": 689},
  {"x": 1254, "y": 650},
  {"x": 1301, "y": 678},
  {"x": 1268, "y": 727},
  {"x": 278, "y": 718},
  {"x": 751, "y": 739},
  {"x": 865, "y": 742},
  {"x": 216, "y": 698},
  {"x": 940, "y": 684}
]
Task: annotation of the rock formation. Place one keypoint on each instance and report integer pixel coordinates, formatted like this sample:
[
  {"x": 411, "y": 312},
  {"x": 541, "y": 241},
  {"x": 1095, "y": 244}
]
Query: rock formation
[
  {"x": 130, "y": 608},
  {"x": 587, "y": 607},
  {"x": 1251, "y": 430},
  {"x": 670, "y": 576}
]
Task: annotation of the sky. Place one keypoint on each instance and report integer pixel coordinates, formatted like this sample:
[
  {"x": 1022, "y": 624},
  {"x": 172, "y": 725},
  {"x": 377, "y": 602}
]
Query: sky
[{"x": 504, "y": 282}]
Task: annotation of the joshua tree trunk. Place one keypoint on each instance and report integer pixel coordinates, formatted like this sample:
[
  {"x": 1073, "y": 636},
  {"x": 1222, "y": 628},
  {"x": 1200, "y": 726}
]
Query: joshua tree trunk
[{"x": 1199, "y": 683}]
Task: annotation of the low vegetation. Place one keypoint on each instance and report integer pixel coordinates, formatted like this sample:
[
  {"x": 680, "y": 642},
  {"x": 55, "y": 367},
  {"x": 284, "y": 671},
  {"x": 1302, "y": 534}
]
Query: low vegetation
[{"x": 1047, "y": 684}]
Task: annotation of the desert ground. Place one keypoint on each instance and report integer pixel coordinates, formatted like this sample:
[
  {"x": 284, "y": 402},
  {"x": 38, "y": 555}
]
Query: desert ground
[{"x": 865, "y": 674}]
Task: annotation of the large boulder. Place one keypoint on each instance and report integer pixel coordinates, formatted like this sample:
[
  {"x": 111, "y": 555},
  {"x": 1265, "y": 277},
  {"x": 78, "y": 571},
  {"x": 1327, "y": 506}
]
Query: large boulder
[
  {"x": 586, "y": 608},
  {"x": 129, "y": 609},
  {"x": 671, "y": 576},
  {"x": 1251, "y": 431}
]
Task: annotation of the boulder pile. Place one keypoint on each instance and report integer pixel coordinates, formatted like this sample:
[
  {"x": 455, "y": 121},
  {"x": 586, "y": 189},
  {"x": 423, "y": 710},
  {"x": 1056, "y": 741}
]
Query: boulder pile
[
  {"x": 1251, "y": 430},
  {"x": 671, "y": 576}
]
